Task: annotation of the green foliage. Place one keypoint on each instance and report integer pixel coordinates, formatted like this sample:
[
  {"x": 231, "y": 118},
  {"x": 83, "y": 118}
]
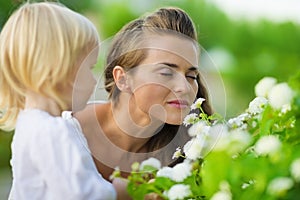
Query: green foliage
[
  {"x": 5, "y": 140},
  {"x": 113, "y": 16},
  {"x": 255, "y": 155},
  {"x": 8, "y": 6}
]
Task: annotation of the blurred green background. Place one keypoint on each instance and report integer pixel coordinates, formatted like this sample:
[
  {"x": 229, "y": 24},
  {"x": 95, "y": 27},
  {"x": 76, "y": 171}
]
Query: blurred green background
[{"x": 238, "y": 52}]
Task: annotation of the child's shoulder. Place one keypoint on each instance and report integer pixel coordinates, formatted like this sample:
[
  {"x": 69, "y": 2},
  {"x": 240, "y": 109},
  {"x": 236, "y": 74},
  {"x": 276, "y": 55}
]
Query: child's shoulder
[
  {"x": 41, "y": 127},
  {"x": 35, "y": 120},
  {"x": 37, "y": 115}
]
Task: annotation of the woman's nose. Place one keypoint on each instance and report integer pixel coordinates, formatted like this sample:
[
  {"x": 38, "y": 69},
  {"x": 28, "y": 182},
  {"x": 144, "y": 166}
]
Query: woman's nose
[{"x": 181, "y": 84}]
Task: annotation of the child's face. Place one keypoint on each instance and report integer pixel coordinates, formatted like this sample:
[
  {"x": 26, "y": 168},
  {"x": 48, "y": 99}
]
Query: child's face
[
  {"x": 84, "y": 81},
  {"x": 164, "y": 85}
]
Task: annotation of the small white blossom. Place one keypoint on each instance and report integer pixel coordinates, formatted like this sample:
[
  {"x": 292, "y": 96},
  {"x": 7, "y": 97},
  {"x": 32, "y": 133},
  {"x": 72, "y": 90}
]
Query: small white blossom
[
  {"x": 292, "y": 125},
  {"x": 254, "y": 124},
  {"x": 190, "y": 119},
  {"x": 219, "y": 139},
  {"x": 197, "y": 103},
  {"x": 178, "y": 173},
  {"x": 135, "y": 166},
  {"x": 165, "y": 172},
  {"x": 278, "y": 186},
  {"x": 280, "y": 95},
  {"x": 193, "y": 149},
  {"x": 247, "y": 184},
  {"x": 177, "y": 153},
  {"x": 178, "y": 191},
  {"x": 239, "y": 140},
  {"x": 221, "y": 195},
  {"x": 295, "y": 169},
  {"x": 216, "y": 139},
  {"x": 224, "y": 192},
  {"x": 238, "y": 121},
  {"x": 116, "y": 173},
  {"x": 198, "y": 128},
  {"x": 181, "y": 171},
  {"x": 153, "y": 162},
  {"x": 285, "y": 108},
  {"x": 264, "y": 85},
  {"x": 267, "y": 145},
  {"x": 257, "y": 105},
  {"x": 224, "y": 185}
]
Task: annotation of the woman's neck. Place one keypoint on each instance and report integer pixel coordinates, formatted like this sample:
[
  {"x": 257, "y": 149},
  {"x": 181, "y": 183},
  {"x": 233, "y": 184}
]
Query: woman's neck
[
  {"x": 127, "y": 127},
  {"x": 37, "y": 101}
]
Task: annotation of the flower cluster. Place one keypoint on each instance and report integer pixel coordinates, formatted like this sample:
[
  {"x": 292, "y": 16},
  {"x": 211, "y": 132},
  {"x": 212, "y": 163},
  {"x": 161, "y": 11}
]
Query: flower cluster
[{"x": 255, "y": 155}]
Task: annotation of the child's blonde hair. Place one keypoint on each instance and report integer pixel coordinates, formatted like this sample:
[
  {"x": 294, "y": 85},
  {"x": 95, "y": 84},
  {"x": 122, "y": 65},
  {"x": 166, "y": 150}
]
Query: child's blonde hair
[{"x": 41, "y": 47}]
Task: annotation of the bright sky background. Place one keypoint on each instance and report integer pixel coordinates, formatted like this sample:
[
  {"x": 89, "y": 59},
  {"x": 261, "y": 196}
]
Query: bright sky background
[{"x": 276, "y": 10}]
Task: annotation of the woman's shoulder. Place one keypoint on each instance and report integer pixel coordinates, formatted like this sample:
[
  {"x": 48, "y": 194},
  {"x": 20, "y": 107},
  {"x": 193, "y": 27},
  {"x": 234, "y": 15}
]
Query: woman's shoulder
[
  {"x": 89, "y": 111},
  {"x": 88, "y": 117}
]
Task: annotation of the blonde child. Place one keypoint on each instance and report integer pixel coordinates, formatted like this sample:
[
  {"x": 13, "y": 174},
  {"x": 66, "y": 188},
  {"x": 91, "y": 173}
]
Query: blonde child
[{"x": 46, "y": 55}]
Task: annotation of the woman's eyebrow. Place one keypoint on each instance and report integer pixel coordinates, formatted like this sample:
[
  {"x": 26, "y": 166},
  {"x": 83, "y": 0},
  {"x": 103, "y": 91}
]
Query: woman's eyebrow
[{"x": 172, "y": 65}]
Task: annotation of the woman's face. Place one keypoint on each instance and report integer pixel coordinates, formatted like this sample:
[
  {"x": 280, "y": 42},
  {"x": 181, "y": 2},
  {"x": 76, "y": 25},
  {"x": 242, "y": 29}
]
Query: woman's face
[{"x": 164, "y": 84}]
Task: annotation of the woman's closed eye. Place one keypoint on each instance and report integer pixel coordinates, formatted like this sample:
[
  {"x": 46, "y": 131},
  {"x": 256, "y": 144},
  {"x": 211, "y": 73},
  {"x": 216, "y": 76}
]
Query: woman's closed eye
[
  {"x": 166, "y": 72},
  {"x": 192, "y": 75}
]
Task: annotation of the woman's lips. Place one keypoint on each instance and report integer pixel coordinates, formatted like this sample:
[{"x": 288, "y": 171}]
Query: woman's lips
[{"x": 178, "y": 103}]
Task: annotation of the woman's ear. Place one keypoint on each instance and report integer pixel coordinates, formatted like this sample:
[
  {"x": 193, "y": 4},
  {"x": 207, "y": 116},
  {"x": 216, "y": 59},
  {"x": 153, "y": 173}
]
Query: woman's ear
[{"x": 120, "y": 78}]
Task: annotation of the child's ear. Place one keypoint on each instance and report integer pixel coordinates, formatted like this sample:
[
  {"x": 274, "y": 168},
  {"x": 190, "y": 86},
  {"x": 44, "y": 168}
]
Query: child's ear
[{"x": 120, "y": 78}]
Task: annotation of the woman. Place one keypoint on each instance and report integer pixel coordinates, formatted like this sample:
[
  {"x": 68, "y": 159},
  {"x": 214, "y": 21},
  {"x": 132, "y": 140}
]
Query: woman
[{"x": 152, "y": 78}]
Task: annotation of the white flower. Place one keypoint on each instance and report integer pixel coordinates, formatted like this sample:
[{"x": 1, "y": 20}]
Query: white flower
[
  {"x": 224, "y": 192},
  {"x": 190, "y": 119},
  {"x": 257, "y": 105},
  {"x": 295, "y": 169},
  {"x": 246, "y": 185},
  {"x": 177, "y": 153},
  {"x": 292, "y": 125},
  {"x": 267, "y": 145},
  {"x": 285, "y": 108},
  {"x": 280, "y": 95},
  {"x": 116, "y": 173},
  {"x": 193, "y": 149},
  {"x": 165, "y": 172},
  {"x": 278, "y": 186},
  {"x": 198, "y": 128},
  {"x": 218, "y": 138},
  {"x": 239, "y": 121},
  {"x": 153, "y": 162},
  {"x": 239, "y": 140},
  {"x": 178, "y": 191},
  {"x": 264, "y": 85},
  {"x": 178, "y": 173},
  {"x": 221, "y": 195},
  {"x": 197, "y": 103},
  {"x": 181, "y": 171}
]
